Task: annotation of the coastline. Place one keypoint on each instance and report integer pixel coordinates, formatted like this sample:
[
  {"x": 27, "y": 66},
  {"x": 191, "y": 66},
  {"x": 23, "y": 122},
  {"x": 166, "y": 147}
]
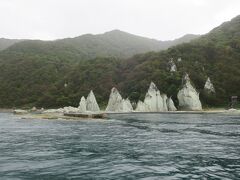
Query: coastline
[
  {"x": 3, "y": 110},
  {"x": 106, "y": 115}
]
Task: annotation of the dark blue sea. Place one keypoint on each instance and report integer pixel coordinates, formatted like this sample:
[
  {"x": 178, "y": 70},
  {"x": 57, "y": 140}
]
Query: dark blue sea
[{"x": 143, "y": 146}]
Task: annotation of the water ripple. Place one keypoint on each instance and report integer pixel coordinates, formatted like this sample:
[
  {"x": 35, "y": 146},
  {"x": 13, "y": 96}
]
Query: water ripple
[{"x": 144, "y": 146}]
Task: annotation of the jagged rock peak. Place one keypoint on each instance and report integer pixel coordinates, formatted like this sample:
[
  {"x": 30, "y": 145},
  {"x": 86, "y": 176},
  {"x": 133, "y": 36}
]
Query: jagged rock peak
[
  {"x": 115, "y": 100},
  {"x": 188, "y": 97},
  {"x": 209, "y": 86},
  {"x": 92, "y": 104},
  {"x": 82, "y": 105},
  {"x": 126, "y": 106},
  {"x": 153, "y": 99},
  {"x": 152, "y": 86}
]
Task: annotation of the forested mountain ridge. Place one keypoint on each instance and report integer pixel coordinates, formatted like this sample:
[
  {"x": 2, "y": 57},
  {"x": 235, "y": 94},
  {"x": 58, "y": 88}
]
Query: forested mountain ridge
[
  {"x": 114, "y": 43},
  {"x": 5, "y": 43},
  {"x": 51, "y": 79},
  {"x": 215, "y": 55}
]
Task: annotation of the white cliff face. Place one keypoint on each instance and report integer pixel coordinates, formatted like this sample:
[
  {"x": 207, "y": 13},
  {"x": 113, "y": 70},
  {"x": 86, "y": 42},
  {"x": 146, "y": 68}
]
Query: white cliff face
[
  {"x": 164, "y": 98},
  {"x": 142, "y": 107},
  {"x": 117, "y": 104},
  {"x": 188, "y": 97},
  {"x": 82, "y": 105},
  {"x": 92, "y": 104},
  {"x": 126, "y": 106},
  {"x": 209, "y": 86},
  {"x": 115, "y": 100},
  {"x": 153, "y": 99},
  {"x": 170, "y": 105}
]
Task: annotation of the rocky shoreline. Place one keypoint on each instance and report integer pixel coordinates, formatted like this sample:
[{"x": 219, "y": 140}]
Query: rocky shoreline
[
  {"x": 24, "y": 114},
  {"x": 154, "y": 102}
]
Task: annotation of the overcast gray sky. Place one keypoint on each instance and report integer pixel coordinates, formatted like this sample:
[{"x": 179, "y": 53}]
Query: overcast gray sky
[{"x": 159, "y": 19}]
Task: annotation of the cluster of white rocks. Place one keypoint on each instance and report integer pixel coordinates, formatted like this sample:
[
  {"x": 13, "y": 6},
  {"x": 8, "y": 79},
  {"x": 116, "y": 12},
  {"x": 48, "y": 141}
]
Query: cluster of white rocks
[
  {"x": 85, "y": 106},
  {"x": 188, "y": 97},
  {"x": 155, "y": 102},
  {"x": 117, "y": 104}
]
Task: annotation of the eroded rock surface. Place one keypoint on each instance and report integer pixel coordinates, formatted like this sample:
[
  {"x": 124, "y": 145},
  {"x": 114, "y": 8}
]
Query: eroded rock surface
[
  {"x": 209, "y": 86},
  {"x": 82, "y": 105},
  {"x": 170, "y": 105},
  {"x": 142, "y": 107},
  {"x": 115, "y": 100},
  {"x": 91, "y": 103},
  {"x": 188, "y": 97},
  {"x": 153, "y": 99}
]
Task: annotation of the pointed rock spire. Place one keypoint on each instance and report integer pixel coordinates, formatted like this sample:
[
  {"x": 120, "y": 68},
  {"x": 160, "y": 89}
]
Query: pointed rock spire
[
  {"x": 82, "y": 105},
  {"x": 188, "y": 97},
  {"x": 170, "y": 105},
  {"x": 115, "y": 99},
  {"x": 153, "y": 99},
  {"x": 209, "y": 86},
  {"x": 117, "y": 104},
  {"x": 92, "y": 104},
  {"x": 126, "y": 105}
]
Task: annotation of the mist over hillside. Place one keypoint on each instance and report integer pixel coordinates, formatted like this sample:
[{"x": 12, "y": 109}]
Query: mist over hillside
[
  {"x": 114, "y": 43},
  {"x": 34, "y": 73},
  {"x": 5, "y": 43}
]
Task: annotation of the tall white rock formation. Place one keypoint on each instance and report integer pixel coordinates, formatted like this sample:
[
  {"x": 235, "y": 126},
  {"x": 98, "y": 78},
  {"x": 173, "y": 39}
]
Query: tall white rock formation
[
  {"x": 209, "y": 86},
  {"x": 170, "y": 105},
  {"x": 115, "y": 99},
  {"x": 126, "y": 106},
  {"x": 117, "y": 104},
  {"x": 92, "y": 104},
  {"x": 188, "y": 97},
  {"x": 153, "y": 99},
  {"x": 82, "y": 105}
]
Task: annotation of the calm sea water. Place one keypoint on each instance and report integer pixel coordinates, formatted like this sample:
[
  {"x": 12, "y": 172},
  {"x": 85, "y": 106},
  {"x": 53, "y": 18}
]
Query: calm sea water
[{"x": 146, "y": 146}]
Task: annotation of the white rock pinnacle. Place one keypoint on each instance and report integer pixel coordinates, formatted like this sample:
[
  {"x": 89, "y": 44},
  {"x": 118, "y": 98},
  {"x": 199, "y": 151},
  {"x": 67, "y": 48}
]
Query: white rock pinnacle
[
  {"x": 92, "y": 104},
  {"x": 153, "y": 99},
  {"x": 82, "y": 105},
  {"x": 188, "y": 97},
  {"x": 209, "y": 86}
]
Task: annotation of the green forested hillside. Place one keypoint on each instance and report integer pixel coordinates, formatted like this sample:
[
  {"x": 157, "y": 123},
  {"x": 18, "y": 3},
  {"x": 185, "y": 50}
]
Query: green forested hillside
[
  {"x": 115, "y": 43},
  {"x": 48, "y": 75},
  {"x": 215, "y": 55},
  {"x": 5, "y": 43}
]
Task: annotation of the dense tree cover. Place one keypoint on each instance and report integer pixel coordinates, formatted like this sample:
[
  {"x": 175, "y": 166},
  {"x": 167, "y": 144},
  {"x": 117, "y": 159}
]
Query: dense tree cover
[
  {"x": 215, "y": 55},
  {"x": 5, "y": 43},
  {"x": 42, "y": 74},
  {"x": 115, "y": 43}
]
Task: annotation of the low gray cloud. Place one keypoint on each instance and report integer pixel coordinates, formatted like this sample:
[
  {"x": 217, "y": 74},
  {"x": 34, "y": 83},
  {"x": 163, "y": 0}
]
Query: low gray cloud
[{"x": 159, "y": 19}]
